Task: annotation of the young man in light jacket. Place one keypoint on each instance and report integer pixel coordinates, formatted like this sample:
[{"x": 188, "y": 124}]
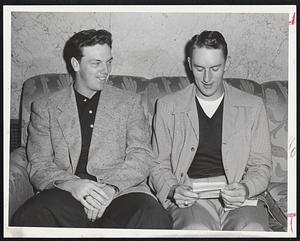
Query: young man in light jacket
[
  {"x": 211, "y": 132},
  {"x": 89, "y": 149}
]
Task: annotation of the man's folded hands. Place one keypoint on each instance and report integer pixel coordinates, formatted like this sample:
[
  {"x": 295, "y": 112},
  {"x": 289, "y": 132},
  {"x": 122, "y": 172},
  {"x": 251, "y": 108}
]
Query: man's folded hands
[{"x": 94, "y": 196}]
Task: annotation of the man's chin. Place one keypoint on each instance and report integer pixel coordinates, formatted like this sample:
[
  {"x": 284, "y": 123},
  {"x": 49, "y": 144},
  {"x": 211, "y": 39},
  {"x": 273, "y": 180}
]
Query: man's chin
[
  {"x": 101, "y": 86},
  {"x": 208, "y": 95}
]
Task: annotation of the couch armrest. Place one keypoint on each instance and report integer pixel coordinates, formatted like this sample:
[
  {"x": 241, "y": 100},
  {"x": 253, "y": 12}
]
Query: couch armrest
[
  {"x": 20, "y": 188},
  {"x": 277, "y": 219},
  {"x": 18, "y": 156}
]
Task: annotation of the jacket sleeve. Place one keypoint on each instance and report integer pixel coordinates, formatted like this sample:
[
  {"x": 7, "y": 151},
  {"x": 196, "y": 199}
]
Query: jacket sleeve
[
  {"x": 259, "y": 165},
  {"x": 139, "y": 155},
  {"x": 43, "y": 171},
  {"x": 161, "y": 175}
]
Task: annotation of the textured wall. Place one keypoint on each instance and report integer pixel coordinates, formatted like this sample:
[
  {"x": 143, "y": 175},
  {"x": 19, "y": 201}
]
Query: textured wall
[{"x": 149, "y": 44}]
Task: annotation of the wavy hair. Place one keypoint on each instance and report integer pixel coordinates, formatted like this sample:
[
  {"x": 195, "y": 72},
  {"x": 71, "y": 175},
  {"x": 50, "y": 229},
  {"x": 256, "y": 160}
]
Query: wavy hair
[{"x": 74, "y": 45}]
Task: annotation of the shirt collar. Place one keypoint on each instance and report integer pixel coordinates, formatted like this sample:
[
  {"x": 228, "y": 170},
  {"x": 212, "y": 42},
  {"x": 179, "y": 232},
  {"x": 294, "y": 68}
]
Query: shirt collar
[{"x": 83, "y": 98}]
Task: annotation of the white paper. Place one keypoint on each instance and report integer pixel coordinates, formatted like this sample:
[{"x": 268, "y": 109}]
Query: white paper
[{"x": 208, "y": 189}]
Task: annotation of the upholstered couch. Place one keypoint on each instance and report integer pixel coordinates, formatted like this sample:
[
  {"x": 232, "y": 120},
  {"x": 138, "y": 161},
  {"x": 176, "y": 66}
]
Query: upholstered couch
[{"x": 274, "y": 94}]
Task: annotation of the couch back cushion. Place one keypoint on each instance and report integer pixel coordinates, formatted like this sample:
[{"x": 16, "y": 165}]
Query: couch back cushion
[
  {"x": 276, "y": 102},
  {"x": 151, "y": 90}
]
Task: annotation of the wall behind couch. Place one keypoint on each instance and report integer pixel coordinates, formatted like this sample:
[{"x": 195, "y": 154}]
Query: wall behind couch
[{"x": 149, "y": 44}]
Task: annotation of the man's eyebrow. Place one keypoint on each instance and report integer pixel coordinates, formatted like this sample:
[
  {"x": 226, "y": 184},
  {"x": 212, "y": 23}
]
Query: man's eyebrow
[
  {"x": 199, "y": 66},
  {"x": 218, "y": 65},
  {"x": 99, "y": 60}
]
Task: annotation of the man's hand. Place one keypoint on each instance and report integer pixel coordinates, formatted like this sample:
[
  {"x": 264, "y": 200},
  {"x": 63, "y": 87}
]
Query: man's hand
[
  {"x": 82, "y": 189},
  {"x": 183, "y": 196},
  {"x": 234, "y": 195},
  {"x": 94, "y": 214}
]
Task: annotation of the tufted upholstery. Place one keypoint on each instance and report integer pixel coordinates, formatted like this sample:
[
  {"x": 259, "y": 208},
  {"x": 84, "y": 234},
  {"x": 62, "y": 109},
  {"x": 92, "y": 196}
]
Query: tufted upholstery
[{"x": 274, "y": 94}]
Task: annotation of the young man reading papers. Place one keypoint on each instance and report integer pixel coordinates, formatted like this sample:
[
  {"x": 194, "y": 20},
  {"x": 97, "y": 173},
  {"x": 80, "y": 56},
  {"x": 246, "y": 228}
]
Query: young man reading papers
[{"x": 211, "y": 132}]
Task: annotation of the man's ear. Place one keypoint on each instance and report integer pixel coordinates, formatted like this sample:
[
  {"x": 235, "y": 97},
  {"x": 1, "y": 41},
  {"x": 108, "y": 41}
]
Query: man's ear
[
  {"x": 75, "y": 64},
  {"x": 227, "y": 63},
  {"x": 190, "y": 64}
]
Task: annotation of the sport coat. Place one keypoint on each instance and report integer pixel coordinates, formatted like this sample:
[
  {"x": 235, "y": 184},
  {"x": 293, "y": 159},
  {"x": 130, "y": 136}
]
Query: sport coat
[
  {"x": 246, "y": 149},
  {"x": 120, "y": 150}
]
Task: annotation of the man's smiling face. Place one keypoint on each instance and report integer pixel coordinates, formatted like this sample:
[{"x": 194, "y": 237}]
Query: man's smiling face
[{"x": 93, "y": 69}]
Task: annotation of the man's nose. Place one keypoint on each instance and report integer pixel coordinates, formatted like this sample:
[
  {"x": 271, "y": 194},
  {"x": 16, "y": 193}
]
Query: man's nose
[
  {"x": 206, "y": 76},
  {"x": 103, "y": 68}
]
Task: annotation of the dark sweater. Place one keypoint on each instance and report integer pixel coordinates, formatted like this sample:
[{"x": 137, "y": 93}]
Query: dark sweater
[{"x": 208, "y": 158}]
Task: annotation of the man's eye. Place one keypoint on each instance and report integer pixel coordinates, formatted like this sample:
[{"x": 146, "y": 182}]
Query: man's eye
[
  {"x": 199, "y": 70},
  {"x": 95, "y": 64},
  {"x": 215, "y": 68}
]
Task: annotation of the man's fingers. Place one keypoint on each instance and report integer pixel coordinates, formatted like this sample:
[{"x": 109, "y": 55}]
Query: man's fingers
[
  {"x": 93, "y": 202},
  {"x": 234, "y": 193},
  {"x": 232, "y": 186},
  {"x": 185, "y": 192},
  {"x": 86, "y": 204},
  {"x": 232, "y": 200},
  {"x": 98, "y": 197},
  {"x": 91, "y": 214},
  {"x": 88, "y": 213},
  {"x": 100, "y": 212},
  {"x": 236, "y": 204},
  {"x": 233, "y": 196},
  {"x": 228, "y": 203},
  {"x": 182, "y": 197},
  {"x": 86, "y": 210},
  {"x": 100, "y": 191},
  {"x": 94, "y": 215},
  {"x": 184, "y": 203}
]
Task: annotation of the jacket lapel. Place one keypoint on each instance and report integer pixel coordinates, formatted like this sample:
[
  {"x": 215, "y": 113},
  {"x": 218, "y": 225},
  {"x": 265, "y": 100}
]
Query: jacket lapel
[
  {"x": 230, "y": 112},
  {"x": 233, "y": 118},
  {"x": 68, "y": 120},
  {"x": 103, "y": 123},
  {"x": 229, "y": 115},
  {"x": 193, "y": 117},
  {"x": 189, "y": 107}
]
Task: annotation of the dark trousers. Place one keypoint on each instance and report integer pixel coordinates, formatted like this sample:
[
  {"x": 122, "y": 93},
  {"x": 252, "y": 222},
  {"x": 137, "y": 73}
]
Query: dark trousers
[{"x": 58, "y": 208}]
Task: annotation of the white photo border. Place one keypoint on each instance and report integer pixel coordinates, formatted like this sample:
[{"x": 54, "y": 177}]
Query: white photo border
[{"x": 74, "y": 232}]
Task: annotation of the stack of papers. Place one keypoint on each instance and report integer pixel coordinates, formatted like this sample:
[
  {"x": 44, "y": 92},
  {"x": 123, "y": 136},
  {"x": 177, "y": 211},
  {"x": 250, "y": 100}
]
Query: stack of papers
[{"x": 208, "y": 189}]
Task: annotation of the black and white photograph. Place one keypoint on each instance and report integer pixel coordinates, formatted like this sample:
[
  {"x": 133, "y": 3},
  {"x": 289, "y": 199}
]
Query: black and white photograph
[{"x": 149, "y": 121}]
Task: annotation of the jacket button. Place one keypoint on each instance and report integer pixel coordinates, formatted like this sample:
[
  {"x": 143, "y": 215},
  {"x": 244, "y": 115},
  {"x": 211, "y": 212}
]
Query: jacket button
[{"x": 192, "y": 149}]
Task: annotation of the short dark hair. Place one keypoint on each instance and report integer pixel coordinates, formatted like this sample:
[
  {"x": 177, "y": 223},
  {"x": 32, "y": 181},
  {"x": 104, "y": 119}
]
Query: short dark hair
[
  {"x": 210, "y": 40},
  {"x": 91, "y": 37}
]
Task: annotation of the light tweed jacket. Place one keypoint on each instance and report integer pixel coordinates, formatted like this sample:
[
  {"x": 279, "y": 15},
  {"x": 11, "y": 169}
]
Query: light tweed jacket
[
  {"x": 120, "y": 151},
  {"x": 246, "y": 149}
]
